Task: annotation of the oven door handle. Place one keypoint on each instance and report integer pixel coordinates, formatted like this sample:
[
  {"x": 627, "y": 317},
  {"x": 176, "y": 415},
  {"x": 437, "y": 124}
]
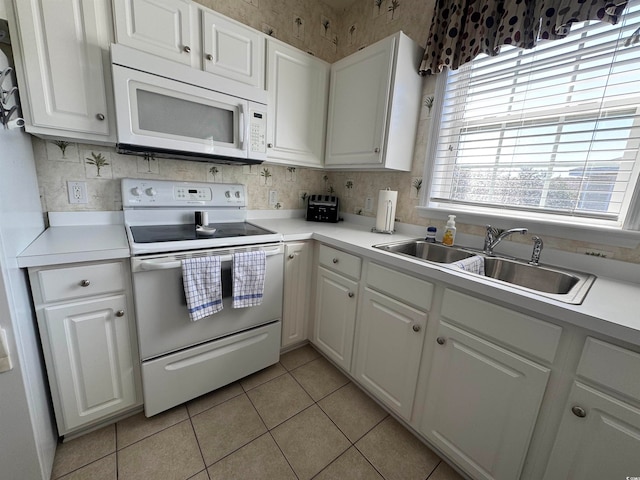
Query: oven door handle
[
  {"x": 149, "y": 265},
  {"x": 164, "y": 264}
]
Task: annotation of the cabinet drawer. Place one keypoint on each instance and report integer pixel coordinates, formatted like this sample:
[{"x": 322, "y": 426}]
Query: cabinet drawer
[
  {"x": 515, "y": 329},
  {"x": 73, "y": 282},
  {"x": 340, "y": 262},
  {"x": 611, "y": 366},
  {"x": 403, "y": 287}
]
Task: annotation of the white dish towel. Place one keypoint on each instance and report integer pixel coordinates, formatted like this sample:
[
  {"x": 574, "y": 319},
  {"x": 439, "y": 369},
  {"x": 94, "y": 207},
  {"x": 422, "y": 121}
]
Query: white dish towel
[
  {"x": 202, "y": 286},
  {"x": 248, "y": 278},
  {"x": 473, "y": 264}
]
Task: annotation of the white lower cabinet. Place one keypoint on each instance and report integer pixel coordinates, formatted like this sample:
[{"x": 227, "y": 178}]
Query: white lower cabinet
[
  {"x": 482, "y": 403},
  {"x": 91, "y": 355},
  {"x": 599, "y": 438},
  {"x": 87, "y": 331},
  {"x": 599, "y": 435},
  {"x": 295, "y": 308},
  {"x": 335, "y": 316},
  {"x": 337, "y": 283},
  {"x": 389, "y": 342}
]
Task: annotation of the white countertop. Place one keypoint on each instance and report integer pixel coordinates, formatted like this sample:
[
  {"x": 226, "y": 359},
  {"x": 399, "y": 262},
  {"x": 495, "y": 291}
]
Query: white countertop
[
  {"x": 70, "y": 244},
  {"x": 612, "y": 307}
]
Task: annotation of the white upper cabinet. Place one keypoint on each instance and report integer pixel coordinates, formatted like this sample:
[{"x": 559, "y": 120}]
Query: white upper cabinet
[
  {"x": 297, "y": 89},
  {"x": 62, "y": 57},
  {"x": 232, "y": 50},
  {"x": 161, "y": 27},
  {"x": 188, "y": 33},
  {"x": 374, "y": 103}
]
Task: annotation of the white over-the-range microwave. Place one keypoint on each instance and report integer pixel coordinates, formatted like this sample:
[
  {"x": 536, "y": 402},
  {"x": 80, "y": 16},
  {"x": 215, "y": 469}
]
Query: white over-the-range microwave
[{"x": 170, "y": 110}]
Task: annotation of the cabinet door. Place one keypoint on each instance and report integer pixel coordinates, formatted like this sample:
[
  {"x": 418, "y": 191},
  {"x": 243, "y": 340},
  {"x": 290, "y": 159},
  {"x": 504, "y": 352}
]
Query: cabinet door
[
  {"x": 297, "y": 87},
  {"x": 160, "y": 27},
  {"x": 389, "y": 343},
  {"x": 232, "y": 50},
  {"x": 335, "y": 319},
  {"x": 482, "y": 403},
  {"x": 358, "y": 105},
  {"x": 92, "y": 359},
  {"x": 62, "y": 49},
  {"x": 604, "y": 443},
  {"x": 295, "y": 311}
]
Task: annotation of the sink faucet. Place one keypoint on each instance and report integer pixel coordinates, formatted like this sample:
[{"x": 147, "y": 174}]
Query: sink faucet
[
  {"x": 494, "y": 236},
  {"x": 537, "y": 250}
]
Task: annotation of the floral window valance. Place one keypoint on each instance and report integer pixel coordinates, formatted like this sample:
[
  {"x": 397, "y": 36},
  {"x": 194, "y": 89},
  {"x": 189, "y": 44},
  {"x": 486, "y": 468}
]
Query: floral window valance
[{"x": 462, "y": 29}]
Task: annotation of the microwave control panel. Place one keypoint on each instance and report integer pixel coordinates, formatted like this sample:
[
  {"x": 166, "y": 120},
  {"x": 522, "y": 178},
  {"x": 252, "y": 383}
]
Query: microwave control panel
[{"x": 258, "y": 131}]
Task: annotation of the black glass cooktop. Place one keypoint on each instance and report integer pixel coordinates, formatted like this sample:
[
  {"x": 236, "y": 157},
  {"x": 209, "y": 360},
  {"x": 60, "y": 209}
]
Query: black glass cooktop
[{"x": 176, "y": 233}]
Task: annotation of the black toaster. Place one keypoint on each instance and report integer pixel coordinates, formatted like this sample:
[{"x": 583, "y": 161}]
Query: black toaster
[{"x": 322, "y": 208}]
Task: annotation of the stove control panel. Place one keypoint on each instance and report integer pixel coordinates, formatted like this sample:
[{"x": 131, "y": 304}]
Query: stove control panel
[{"x": 167, "y": 193}]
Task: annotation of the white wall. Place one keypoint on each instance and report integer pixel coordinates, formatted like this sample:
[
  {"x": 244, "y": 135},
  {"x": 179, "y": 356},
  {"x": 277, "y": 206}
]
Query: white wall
[{"x": 28, "y": 437}]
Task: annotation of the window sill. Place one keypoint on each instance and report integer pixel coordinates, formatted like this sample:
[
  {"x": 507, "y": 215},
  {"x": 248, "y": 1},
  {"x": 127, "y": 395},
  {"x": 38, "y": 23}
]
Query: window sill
[{"x": 593, "y": 234}]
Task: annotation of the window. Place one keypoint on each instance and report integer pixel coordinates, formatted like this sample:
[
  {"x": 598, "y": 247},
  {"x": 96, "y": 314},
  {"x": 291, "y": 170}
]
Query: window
[{"x": 553, "y": 131}]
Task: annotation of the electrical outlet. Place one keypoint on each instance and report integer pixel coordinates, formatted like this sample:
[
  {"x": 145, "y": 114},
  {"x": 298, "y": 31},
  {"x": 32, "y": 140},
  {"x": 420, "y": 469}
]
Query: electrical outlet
[
  {"x": 77, "y": 192},
  {"x": 273, "y": 197},
  {"x": 368, "y": 204}
]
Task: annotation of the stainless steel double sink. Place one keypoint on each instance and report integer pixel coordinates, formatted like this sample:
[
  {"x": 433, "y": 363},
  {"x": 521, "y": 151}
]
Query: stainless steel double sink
[{"x": 552, "y": 282}]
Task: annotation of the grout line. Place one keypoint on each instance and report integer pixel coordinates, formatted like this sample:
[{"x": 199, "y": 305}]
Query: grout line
[
  {"x": 283, "y": 455},
  {"x": 266, "y": 381},
  {"x": 158, "y": 431},
  {"x": 434, "y": 469},
  {"x": 193, "y": 429}
]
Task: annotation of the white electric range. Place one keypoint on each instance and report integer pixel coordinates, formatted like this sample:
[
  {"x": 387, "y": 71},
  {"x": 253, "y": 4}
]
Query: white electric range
[{"x": 182, "y": 359}]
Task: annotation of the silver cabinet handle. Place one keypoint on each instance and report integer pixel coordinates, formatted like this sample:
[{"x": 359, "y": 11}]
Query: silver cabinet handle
[
  {"x": 335, "y": 260},
  {"x": 579, "y": 411},
  {"x": 120, "y": 313},
  {"x": 85, "y": 283},
  {"x": 269, "y": 145},
  {"x": 100, "y": 116},
  {"x": 209, "y": 57},
  {"x": 187, "y": 49},
  {"x": 376, "y": 150},
  {"x": 291, "y": 256},
  {"x": 351, "y": 294},
  {"x": 441, "y": 340},
  {"x": 416, "y": 328}
]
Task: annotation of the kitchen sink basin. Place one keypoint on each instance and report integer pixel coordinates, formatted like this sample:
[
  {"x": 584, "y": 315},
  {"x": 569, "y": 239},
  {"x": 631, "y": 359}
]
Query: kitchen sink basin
[
  {"x": 431, "y": 252},
  {"x": 559, "y": 284}
]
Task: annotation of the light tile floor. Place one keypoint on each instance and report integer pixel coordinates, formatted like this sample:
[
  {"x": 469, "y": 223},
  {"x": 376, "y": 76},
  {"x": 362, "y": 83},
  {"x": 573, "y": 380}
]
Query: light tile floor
[{"x": 298, "y": 419}]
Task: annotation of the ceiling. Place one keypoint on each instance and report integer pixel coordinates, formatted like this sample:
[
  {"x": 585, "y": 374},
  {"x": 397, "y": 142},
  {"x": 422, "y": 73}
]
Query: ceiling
[{"x": 339, "y": 5}]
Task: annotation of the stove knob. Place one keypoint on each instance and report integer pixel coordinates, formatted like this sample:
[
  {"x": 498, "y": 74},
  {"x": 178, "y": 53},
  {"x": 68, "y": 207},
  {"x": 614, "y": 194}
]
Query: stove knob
[
  {"x": 136, "y": 191},
  {"x": 237, "y": 194},
  {"x": 151, "y": 191},
  {"x": 227, "y": 194}
]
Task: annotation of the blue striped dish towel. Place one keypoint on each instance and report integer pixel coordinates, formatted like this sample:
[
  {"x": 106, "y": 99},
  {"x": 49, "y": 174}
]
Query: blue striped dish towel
[
  {"x": 473, "y": 264},
  {"x": 202, "y": 286},
  {"x": 248, "y": 278}
]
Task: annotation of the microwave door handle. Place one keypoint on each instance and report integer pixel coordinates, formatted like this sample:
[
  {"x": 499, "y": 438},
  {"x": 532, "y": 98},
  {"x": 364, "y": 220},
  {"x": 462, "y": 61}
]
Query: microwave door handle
[{"x": 241, "y": 132}]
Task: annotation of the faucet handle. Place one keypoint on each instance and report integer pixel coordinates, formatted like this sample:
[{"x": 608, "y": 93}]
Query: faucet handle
[{"x": 537, "y": 250}]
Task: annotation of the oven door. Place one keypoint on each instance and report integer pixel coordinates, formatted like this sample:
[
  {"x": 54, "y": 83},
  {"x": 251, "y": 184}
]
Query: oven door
[
  {"x": 164, "y": 114},
  {"x": 163, "y": 321}
]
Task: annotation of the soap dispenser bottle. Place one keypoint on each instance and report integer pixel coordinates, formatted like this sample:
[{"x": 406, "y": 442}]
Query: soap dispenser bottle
[{"x": 449, "y": 232}]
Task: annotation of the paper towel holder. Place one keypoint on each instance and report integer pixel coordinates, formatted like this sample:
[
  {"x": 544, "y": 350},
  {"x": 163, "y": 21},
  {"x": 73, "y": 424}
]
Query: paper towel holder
[{"x": 389, "y": 220}]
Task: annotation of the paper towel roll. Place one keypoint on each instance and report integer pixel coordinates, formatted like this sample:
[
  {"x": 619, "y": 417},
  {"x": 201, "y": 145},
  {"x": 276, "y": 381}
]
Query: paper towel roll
[{"x": 385, "y": 218}]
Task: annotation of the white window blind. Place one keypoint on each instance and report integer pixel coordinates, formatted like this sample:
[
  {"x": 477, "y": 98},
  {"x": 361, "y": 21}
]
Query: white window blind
[{"x": 553, "y": 130}]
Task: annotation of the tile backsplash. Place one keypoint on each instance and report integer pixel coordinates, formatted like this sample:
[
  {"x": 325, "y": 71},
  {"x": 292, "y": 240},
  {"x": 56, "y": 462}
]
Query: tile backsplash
[
  {"x": 102, "y": 168},
  {"x": 316, "y": 28}
]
